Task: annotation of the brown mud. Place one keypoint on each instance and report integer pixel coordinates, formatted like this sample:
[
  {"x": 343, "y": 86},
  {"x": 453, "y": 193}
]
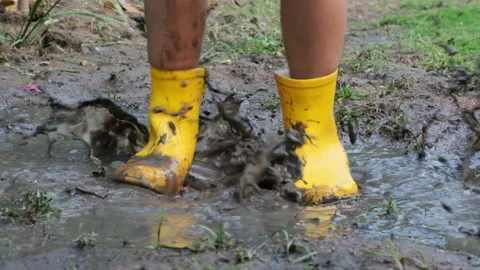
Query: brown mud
[{"x": 408, "y": 147}]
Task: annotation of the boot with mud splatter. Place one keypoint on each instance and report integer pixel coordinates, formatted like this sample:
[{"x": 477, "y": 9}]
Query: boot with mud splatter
[
  {"x": 309, "y": 103},
  {"x": 163, "y": 163}
]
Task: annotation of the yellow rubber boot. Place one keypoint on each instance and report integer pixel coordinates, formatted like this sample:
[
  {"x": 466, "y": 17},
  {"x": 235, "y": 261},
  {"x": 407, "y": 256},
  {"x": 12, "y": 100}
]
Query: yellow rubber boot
[
  {"x": 325, "y": 164},
  {"x": 164, "y": 162}
]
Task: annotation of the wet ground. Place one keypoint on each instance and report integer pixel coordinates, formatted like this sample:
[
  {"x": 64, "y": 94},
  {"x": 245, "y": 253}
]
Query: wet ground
[{"x": 415, "y": 205}]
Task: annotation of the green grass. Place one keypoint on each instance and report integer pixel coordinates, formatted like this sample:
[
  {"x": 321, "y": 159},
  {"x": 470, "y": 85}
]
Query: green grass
[
  {"x": 3, "y": 36},
  {"x": 35, "y": 28},
  {"x": 6, "y": 34},
  {"x": 86, "y": 240},
  {"x": 219, "y": 239},
  {"x": 422, "y": 25},
  {"x": 390, "y": 209},
  {"x": 30, "y": 207},
  {"x": 343, "y": 113},
  {"x": 369, "y": 57},
  {"x": 412, "y": 34},
  {"x": 346, "y": 92},
  {"x": 251, "y": 29},
  {"x": 427, "y": 4},
  {"x": 416, "y": 258},
  {"x": 270, "y": 103}
]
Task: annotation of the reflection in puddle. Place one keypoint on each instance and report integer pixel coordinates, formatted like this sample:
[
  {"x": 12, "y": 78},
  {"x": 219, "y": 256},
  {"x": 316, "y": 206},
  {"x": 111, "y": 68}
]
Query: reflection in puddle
[
  {"x": 316, "y": 220},
  {"x": 174, "y": 231}
]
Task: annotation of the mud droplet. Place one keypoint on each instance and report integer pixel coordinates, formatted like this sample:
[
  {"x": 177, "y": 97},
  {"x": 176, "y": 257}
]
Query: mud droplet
[
  {"x": 447, "y": 207},
  {"x": 158, "y": 109},
  {"x": 163, "y": 139},
  {"x": 184, "y": 83},
  {"x": 171, "y": 125}
]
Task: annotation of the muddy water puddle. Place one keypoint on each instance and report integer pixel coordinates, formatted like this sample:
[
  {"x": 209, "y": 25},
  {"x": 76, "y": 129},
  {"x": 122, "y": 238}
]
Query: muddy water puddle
[{"x": 124, "y": 216}]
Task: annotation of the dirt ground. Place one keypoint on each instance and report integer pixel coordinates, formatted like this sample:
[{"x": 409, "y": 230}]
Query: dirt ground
[{"x": 408, "y": 108}]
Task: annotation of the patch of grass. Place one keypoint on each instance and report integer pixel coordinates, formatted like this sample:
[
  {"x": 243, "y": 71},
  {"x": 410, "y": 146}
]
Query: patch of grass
[
  {"x": 71, "y": 25},
  {"x": 346, "y": 92},
  {"x": 344, "y": 114},
  {"x": 3, "y": 36},
  {"x": 142, "y": 76},
  {"x": 36, "y": 26},
  {"x": 464, "y": 80},
  {"x": 418, "y": 259},
  {"x": 245, "y": 255},
  {"x": 30, "y": 207},
  {"x": 370, "y": 58},
  {"x": 100, "y": 27},
  {"x": 395, "y": 85},
  {"x": 219, "y": 239},
  {"x": 270, "y": 103},
  {"x": 425, "y": 28},
  {"x": 6, "y": 34},
  {"x": 291, "y": 246},
  {"x": 86, "y": 240},
  {"x": 396, "y": 126},
  {"x": 426, "y": 4},
  {"x": 250, "y": 29},
  {"x": 24, "y": 75},
  {"x": 390, "y": 209}
]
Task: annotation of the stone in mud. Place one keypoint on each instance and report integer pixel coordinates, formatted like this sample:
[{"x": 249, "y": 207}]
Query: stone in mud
[{"x": 100, "y": 124}]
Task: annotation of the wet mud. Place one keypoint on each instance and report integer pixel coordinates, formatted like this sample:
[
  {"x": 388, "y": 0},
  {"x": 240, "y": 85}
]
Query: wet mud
[{"x": 412, "y": 152}]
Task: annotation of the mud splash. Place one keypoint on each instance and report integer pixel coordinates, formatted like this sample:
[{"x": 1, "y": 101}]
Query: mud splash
[{"x": 238, "y": 147}]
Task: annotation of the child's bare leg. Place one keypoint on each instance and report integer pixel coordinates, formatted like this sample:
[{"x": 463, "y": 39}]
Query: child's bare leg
[
  {"x": 174, "y": 35},
  {"x": 313, "y": 33},
  {"x": 175, "y": 30}
]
